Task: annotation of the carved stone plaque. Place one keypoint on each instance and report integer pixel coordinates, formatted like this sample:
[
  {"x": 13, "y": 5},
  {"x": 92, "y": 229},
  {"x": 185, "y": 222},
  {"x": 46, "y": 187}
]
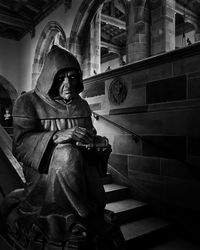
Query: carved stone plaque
[{"x": 117, "y": 91}]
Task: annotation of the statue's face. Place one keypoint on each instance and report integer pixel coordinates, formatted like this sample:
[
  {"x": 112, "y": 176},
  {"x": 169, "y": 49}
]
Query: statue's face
[{"x": 68, "y": 82}]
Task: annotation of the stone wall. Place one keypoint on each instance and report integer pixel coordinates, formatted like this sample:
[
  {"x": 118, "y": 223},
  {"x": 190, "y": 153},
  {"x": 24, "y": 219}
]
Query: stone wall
[{"x": 162, "y": 105}]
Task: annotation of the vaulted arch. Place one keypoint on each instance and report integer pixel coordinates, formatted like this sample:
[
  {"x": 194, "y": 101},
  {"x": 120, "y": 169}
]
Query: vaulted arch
[{"x": 84, "y": 32}]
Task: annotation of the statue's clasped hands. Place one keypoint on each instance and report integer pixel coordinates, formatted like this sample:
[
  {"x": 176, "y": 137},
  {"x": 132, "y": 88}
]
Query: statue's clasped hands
[
  {"x": 82, "y": 138},
  {"x": 76, "y": 134}
]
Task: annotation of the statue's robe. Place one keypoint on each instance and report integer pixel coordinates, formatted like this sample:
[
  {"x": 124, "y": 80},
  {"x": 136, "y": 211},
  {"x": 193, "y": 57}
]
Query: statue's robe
[
  {"x": 52, "y": 171},
  {"x": 61, "y": 179}
]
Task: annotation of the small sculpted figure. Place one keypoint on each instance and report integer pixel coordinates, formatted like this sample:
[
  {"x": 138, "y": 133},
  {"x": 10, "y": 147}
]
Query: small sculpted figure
[{"x": 63, "y": 159}]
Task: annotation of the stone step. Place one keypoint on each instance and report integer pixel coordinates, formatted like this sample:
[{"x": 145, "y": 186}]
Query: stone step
[
  {"x": 144, "y": 232},
  {"x": 128, "y": 209},
  {"x": 115, "y": 192}
]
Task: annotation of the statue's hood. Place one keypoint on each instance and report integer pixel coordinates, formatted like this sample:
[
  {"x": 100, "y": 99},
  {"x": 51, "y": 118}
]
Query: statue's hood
[{"x": 58, "y": 58}]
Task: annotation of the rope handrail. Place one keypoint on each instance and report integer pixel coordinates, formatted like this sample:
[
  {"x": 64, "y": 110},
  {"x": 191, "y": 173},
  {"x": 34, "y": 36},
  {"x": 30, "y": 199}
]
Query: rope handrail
[{"x": 135, "y": 136}]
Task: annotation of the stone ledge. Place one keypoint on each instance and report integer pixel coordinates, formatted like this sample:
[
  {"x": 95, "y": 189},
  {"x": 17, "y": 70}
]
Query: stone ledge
[{"x": 151, "y": 61}]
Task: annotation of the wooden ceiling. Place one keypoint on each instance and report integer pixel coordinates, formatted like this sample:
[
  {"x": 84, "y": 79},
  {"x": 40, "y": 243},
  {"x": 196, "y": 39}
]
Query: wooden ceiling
[{"x": 19, "y": 17}]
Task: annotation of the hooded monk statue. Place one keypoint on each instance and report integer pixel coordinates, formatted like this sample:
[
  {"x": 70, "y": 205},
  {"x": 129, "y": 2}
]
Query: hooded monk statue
[{"x": 63, "y": 161}]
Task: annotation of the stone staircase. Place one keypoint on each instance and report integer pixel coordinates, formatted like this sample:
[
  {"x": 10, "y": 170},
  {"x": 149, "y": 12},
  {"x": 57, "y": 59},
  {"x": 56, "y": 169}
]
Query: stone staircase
[{"x": 140, "y": 228}]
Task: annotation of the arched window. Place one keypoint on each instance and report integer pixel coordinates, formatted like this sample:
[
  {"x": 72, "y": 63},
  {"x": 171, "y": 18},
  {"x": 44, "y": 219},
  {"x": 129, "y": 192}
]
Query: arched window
[{"x": 107, "y": 34}]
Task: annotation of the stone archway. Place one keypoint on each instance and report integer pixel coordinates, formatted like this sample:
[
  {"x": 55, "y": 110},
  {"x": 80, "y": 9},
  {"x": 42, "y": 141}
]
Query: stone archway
[
  {"x": 81, "y": 35},
  {"x": 52, "y": 34},
  {"x": 80, "y": 42},
  {"x": 8, "y": 95}
]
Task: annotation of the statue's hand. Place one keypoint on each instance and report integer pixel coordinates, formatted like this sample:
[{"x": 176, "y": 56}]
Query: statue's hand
[{"x": 77, "y": 134}]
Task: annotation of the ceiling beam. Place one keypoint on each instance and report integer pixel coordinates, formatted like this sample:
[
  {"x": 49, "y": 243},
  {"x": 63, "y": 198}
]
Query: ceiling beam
[
  {"x": 188, "y": 13},
  {"x": 113, "y": 21},
  {"x": 112, "y": 47},
  {"x": 118, "y": 35},
  {"x": 4, "y": 5},
  {"x": 33, "y": 8},
  {"x": 119, "y": 6},
  {"x": 13, "y": 20}
]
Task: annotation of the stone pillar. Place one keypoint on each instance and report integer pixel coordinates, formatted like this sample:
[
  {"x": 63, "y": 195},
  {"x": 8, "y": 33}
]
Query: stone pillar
[
  {"x": 163, "y": 26},
  {"x": 197, "y": 33},
  {"x": 95, "y": 40},
  {"x": 138, "y": 31}
]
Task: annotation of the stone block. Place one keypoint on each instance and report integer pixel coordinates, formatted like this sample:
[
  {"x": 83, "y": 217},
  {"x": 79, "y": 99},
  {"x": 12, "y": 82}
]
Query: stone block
[
  {"x": 193, "y": 88},
  {"x": 137, "y": 56},
  {"x": 140, "y": 27},
  {"x": 182, "y": 193},
  {"x": 157, "y": 48},
  {"x": 186, "y": 65},
  {"x": 170, "y": 89},
  {"x": 125, "y": 144},
  {"x": 156, "y": 14},
  {"x": 139, "y": 47},
  {"x": 120, "y": 163},
  {"x": 159, "y": 72},
  {"x": 94, "y": 89},
  {"x": 161, "y": 122},
  {"x": 139, "y": 78},
  {"x": 194, "y": 75},
  {"x": 141, "y": 38},
  {"x": 170, "y": 43},
  {"x": 172, "y": 147},
  {"x": 136, "y": 97},
  {"x": 176, "y": 169},
  {"x": 155, "y": 4},
  {"x": 147, "y": 186},
  {"x": 158, "y": 38},
  {"x": 169, "y": 12},
  {"x": 194, "y": 145},
  {"x": 95, "y": 106},
  {"x": 144, "y": 164},
  {"x": 193, "y": 161}
]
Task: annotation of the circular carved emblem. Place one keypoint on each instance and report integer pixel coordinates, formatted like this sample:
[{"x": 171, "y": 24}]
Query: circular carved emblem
[{"x": 117, "y": 91}]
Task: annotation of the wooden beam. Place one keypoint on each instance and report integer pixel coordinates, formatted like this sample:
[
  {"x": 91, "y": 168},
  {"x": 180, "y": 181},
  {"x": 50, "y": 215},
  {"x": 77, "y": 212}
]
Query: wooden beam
[
  {"x": 119, "y": 6},
  {"x": 33, "y": 8},
  {"x": 4, "y": 5},
  {"x": 113, "y": 21},
  {"x": 112, "y": 47},
  {"x": 188, "y": 13},
  {"x": 118, "y": 35},
  {"x": 13, "y": 20}
]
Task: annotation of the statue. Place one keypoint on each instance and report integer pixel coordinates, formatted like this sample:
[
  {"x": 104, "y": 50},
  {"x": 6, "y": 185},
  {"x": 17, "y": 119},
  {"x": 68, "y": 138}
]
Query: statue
[{"x": 63, "y": 159}]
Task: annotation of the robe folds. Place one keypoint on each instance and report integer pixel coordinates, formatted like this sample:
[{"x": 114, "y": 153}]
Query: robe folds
[
  {"x": 61, "y": 179},
  {"x": 63, "y": 186}
]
